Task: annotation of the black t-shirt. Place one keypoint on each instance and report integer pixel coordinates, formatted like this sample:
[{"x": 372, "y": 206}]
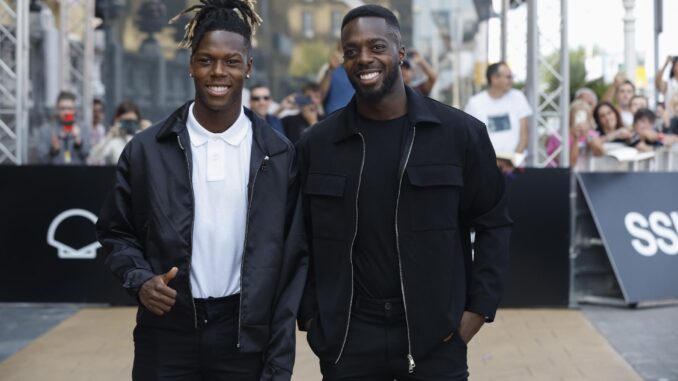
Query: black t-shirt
[{"x": 375, "y": 257}]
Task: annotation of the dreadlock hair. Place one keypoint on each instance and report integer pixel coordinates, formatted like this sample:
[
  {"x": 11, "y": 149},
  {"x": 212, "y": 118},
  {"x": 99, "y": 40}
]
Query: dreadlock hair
[
  {"x": 237, "y": 16},
  {"x": 374, "y": 10}
]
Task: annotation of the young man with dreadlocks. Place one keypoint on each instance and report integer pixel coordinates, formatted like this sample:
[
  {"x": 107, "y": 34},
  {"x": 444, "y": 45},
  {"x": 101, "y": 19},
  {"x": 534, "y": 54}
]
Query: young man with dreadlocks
[
  {"x": 201, "y": 226},
  {"x": 393, "y": 184}
]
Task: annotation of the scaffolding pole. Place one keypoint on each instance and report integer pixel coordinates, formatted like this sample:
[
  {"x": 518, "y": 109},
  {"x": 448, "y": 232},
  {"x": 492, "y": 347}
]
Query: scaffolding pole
[
  {"x": 14, "y": 69},
  {"x": 550, "y": 107}
]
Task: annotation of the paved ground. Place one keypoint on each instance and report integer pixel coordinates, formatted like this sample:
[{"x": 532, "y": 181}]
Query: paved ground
[
  {"x": 647, "y": 338},
  {"x": 534, "y": 344},
  {"x": 20, "y": 324}
]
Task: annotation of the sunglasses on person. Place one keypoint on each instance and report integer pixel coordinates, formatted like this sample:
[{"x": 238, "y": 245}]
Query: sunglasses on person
[{"x": 262, "y": 98}]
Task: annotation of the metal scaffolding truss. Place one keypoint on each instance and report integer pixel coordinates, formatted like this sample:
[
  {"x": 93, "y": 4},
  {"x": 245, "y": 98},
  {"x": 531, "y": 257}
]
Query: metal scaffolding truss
[
  {"x": 550, "y": 106},
  {"x": 76, "y": 34},
  {"x": 14, "y": 41}
]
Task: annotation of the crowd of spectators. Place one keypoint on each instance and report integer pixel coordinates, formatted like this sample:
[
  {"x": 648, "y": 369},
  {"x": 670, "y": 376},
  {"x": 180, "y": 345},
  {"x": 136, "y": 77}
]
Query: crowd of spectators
[{"x": 621, "y": 118}]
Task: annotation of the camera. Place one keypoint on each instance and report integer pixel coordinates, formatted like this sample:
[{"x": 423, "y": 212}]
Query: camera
[
  {"x": 303, "y": 100},
  {"x": 68, "y": 121}
]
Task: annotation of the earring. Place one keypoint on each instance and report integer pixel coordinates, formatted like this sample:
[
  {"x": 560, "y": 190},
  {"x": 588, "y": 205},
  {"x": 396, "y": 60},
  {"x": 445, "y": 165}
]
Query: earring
[
  {"x": 401, "y": 62},
  {"x": 248, "y": 76},
  {"x": 190, "y": 75}
]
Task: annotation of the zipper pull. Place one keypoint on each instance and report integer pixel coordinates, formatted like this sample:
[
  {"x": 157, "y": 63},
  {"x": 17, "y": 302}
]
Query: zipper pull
[
  {"x": 180, "y": 145},
  {"x": 411, "y": 366},
  {"x": 263, "y": 164}
]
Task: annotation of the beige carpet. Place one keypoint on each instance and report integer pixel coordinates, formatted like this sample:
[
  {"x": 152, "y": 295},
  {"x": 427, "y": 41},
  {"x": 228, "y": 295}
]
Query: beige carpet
[{"x": 529, "y": 344}]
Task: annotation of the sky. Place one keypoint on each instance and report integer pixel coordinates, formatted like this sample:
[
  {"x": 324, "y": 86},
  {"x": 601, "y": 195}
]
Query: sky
[{"x": 591, "y": 23}]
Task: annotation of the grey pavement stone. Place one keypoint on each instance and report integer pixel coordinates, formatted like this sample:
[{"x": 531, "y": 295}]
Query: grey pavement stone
[
  {"x": 21, "y": 324},
  {"x": 647, "y": 338}
]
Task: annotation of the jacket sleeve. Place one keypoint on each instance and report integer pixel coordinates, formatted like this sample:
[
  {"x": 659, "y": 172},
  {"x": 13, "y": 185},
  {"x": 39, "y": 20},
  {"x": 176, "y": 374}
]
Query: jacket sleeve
[
  {"x": 117, "y": 234},
  {"x": 484, "y": 209},
  {"x": 280, "y": 351}
]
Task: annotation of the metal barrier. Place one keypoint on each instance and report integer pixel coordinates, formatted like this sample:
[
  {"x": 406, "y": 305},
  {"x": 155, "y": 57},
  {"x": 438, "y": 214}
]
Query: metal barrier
[{"x": 620, "y": 158}]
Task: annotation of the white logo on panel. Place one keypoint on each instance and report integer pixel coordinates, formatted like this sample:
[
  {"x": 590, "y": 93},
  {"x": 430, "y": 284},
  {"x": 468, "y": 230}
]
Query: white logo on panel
[
  {"x": 64, "y": 251},
  {"x": 657, "y": 232}
]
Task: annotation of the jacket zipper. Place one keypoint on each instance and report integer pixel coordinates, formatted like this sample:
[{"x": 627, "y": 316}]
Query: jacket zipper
[
  {"x": 410, "y": 358},
  {"x": 350, "y": 254},
  {"x": 262, "y": 165},
  {"x": 190, "y": 245}
]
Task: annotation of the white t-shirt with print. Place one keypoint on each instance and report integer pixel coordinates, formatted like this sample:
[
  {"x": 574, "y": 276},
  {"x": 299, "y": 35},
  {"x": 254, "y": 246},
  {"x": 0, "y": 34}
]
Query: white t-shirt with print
[{"x": 501, "y": 116}]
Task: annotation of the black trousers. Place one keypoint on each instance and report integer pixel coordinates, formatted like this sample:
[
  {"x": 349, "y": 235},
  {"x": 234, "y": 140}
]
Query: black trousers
[
  {"x": 207, "y": 353},
  {"x": 376, "y": 349}
]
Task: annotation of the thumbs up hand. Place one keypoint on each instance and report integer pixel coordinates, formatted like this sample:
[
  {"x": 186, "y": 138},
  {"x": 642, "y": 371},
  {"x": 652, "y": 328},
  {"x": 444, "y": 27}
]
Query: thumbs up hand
[{"x": 156, "y": 295}]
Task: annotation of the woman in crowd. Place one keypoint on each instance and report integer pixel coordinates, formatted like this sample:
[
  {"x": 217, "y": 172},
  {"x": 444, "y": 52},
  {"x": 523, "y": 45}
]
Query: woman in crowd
[
  {"x": 584, "y": 139},
  {"x": 668, "y": 88},
  {"x": 609, "y": 124},
  {"x": 126, "y": 123}
]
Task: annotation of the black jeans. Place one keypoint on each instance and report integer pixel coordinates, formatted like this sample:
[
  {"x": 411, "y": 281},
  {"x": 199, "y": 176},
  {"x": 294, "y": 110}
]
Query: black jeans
[
  {"x": 376, "y": 349},
  {"x": 207, "y": 353}
]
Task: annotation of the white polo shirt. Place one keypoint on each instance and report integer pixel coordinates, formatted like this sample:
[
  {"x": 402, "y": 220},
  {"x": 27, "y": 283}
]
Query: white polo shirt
[{"x": 221, "y": 168}]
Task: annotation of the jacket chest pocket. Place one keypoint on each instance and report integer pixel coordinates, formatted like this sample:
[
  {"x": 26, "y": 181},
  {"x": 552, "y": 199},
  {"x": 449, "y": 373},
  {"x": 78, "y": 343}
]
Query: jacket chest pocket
[
  {"x": 434, "y": 196},
  {"x": 326, "y": 201}
]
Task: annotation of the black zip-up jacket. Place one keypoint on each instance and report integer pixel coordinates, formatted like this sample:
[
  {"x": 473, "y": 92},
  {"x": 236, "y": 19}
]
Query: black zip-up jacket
[
  {"x": 146, "y": 228},
  {"x": 449, "y": 185}
]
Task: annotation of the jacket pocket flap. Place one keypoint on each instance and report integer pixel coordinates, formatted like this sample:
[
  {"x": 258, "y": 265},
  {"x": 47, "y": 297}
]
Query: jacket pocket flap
[
  {"x": 435, "y": 175},
  {"x": 321, "y": 184}
]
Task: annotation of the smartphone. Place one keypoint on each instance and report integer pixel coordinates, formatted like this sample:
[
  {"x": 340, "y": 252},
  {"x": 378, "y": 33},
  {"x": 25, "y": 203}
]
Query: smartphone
[
  {"x": 580, "y": 117},
  {"x": 302, "y": 100}
]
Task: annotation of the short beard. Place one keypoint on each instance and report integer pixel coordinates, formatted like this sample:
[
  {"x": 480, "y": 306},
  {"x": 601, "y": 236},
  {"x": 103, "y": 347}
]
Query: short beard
[{"x": 375, "y": 95}]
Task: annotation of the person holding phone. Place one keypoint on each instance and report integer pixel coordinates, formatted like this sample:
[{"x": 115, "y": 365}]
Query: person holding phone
[
  {"x": 63, "y": 142},
  {"x": 668, "y": 87},
  {"x": 126, "y": 123},
  {"x": 308, "y": 104},
  {"x": 584, "y": 139}
]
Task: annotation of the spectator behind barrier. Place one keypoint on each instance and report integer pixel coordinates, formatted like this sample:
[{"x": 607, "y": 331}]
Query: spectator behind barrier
[
  {"x": 309, "y": 105},
  {"x": 260, "y": 102},
  {"x": 126, "y": 123},
  {"x": 422, "y": 87},
  {"x": 645, "y": 137},
  {"x": 63, "y": 142},
  {"x": 638, "y": 102},
  {"x": 587, "y": 95},
  {"x": 609, "y": 124},
  {"x": 335, "y": 88},
  {"x": 583, "y": 139},
  {"x": 622, "y": 90},
  {"x": 668, "y": 88},
  {"x": 673, "y": 122},
  {"x": 504, "y": 111},
  {"x": 98, "y": 128}
]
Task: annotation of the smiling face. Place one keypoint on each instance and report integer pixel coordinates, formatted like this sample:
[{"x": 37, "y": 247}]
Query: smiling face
[
  {"x": 371, "y": 57},
  {"x": 624, "y": 95},
  {"x": 260, "y": 100},
  {"x": 219, "y": 65},
  {"x": 608, "y": 119}
]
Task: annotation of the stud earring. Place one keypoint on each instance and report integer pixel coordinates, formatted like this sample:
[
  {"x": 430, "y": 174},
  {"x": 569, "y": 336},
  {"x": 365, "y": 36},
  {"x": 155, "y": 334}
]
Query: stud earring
[
  {"x": 401, "y": 62},
  {"x": 248, "y": 76},
  {"x": 190, "y": 75}
]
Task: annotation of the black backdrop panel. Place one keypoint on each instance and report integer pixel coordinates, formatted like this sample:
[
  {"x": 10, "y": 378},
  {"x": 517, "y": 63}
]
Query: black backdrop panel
[
  {"x": 32, "y": 271},
  {"x": 538, "y": 273}
]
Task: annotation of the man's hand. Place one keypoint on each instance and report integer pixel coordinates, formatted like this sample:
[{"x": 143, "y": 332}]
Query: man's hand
[
  {"x": 156, "y": 296},
  {"x": 336, "y": 59},
  {"x": 505, "y": 166},
  {"x": 77, "y": 135},
  {"x": 56, "y": 143},
  {"x": 470, "y": 325}
]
